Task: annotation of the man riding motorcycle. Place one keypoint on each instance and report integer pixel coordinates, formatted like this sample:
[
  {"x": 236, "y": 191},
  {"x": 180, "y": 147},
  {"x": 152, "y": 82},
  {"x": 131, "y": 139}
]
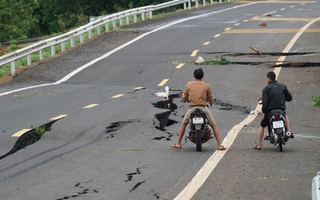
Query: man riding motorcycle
[
  {"x": 274, "y": 96},
  {"x": 198, "y": 94}
]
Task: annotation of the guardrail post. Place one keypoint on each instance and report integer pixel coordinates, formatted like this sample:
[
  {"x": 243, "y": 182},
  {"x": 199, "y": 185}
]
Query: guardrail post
[
  {"x": 29, "y": 59},
  {"x": 211, "y": 1},
  {"x": 63, "y": 46},
  {"x": 143, "y": 16},
  {"x": 189, "y": 4},
  {"x": 90, "y": 34},
  {"x": 13, "y": 68},
  {"x": 316, "y": 187},
  {"x": 135, "y": 18},
  {"x": 41, "y": 54},
  {"x": 81, "y": 38},
  {"x": 53, "y": 50},
  {"x": 120, "y": 22},
  {"x": 99, "y": 30},
  {"x": 197, "y": 4},
  {"x": 114, "y": 24},
  {"x": 204, "y": 2},
  {"x": 150, "y": 14},
  {"x": 127, "y": 20},
  {"x": 72, "y": 42}
]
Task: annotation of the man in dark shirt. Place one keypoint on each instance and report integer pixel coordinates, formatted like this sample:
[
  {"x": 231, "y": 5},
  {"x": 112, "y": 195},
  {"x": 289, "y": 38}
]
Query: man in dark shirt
[{"x": 274, "y": 96}]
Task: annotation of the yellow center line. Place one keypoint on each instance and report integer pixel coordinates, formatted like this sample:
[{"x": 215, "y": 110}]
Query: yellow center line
[
  {"x": 58, "y": 117},
  {"x": 281, "y": 19},
  {"x": 206, "y": 43},
  {"x": 164, "y": 81},
  {"x": 90, "y": 106},
  {"x": 194, "y": 53},
  {"x": 246, "y": 20},
  {"x": 21, "y": 132},
  {"x": 117, "y": 96},
  {"x": 239, "y": 31},
  {"x": 292, "y": 6},
  {"x": 180, "y": 65},
  {"x": 237, "y": 24},
  {"x": 139, "y": 88},
  {"x": 217, "y": 35},
  {"x": 282, "y": 9},
  {"x": 227, "y": 29}
]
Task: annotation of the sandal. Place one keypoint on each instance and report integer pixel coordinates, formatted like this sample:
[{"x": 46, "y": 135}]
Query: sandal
[
  {"x": 222, "y": 148},
  {"x": 176, "y": 146},
  {"x": 257, "y": 148}
]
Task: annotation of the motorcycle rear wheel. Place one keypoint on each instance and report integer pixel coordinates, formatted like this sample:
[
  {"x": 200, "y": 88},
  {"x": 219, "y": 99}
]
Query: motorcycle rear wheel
[
  {"x": 198, "y": 140},
  {"x": 280, "y": 143}
]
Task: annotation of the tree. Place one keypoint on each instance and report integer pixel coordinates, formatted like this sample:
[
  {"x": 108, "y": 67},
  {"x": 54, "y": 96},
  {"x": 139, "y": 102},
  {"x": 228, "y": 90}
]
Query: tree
[{"x": 16, "y": 19}]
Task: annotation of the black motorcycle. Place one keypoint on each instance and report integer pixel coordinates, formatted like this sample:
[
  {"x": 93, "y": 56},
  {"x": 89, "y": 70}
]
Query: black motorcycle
[
  {"x": 278, "y": 134},
  {"x": 199, "y": 128}
]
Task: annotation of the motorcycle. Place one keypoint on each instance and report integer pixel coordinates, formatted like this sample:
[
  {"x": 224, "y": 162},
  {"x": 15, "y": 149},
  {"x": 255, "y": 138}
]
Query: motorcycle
[
  {"x": 278, "y": 134},
  {"x": 199, "y": 128}
]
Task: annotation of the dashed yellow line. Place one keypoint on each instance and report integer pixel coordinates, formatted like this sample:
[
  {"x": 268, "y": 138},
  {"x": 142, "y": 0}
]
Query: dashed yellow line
[
  {"x": 58, "y": 117},
  {"x": 282, "y": 9},
  {"x": 180, "y": 65},
  {"x": 116, "y": 96},
  {"x": 90, "y": 106},
  {"x": 194, "y": 53},
  {"x": 164, "y": 81},
  {"x": 237, "y": 24},
  {"x": 239, "y": 31},
  {"x": 281, "y": 19},
  {"x": 217, "y": 35},
  {"x": 206, "y": 43},
  {"x": 21, "y": 132},
  {"x": 246, "y": 20},
  {"x": 227, "y": 29},
  {"x": 139, "y": 88}
]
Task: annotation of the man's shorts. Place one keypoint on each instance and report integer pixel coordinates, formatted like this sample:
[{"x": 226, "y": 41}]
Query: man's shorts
[{"x": 203, "y": 109}]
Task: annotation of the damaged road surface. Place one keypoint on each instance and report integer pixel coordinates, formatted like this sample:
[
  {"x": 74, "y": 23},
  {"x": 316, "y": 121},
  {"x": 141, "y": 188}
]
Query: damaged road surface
[{"x": 115, "y": 141}]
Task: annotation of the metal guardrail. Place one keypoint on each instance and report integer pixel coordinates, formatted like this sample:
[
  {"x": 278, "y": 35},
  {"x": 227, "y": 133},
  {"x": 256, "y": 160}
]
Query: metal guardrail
[
  {"x": 116, "y": 19},
  {"x": 316, "y": 187}
]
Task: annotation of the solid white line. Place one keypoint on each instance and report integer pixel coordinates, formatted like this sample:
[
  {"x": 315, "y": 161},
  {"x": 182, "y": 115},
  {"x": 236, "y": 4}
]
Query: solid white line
[
  {"x": 67, "y": 77},
  {"x": 212, "y": 162}
]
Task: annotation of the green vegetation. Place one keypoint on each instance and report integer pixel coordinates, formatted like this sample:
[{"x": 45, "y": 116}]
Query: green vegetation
[
  {"x": 40, "y": 130},
  {"x": 219, "y": 60},
  {"x": 35, "y": 18},
  {"x": 316, "y": 101}
]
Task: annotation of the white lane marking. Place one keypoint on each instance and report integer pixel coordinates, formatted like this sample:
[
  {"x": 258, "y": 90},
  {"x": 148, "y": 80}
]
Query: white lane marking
[
  {"x": 212, "y": 162},
  {"x": 73, "y": 73}
]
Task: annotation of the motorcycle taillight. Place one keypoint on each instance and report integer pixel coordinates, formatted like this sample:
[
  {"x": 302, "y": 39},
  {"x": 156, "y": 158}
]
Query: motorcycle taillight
[{"x": 277, "y": 116}]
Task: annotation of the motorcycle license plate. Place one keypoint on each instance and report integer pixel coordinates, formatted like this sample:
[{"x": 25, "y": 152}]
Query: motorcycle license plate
[
  {"x": 198, "y": 120},
  {"x": 277, "y": 124}
]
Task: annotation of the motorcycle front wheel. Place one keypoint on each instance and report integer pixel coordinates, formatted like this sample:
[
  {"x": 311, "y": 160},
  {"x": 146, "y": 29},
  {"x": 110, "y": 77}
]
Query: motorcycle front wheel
[{"x": 198, "y": 140}]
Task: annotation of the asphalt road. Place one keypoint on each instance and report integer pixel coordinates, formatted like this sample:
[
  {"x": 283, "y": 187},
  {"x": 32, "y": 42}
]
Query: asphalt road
[{"x": 117, "y": 148}]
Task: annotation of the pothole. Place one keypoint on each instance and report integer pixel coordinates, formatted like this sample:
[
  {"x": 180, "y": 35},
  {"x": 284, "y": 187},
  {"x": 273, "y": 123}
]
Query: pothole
[
  {"x": 227, "y": 106},
  {"x": 30, "y": 137},
  {"x": 163, "y": 118},
  {"x": 115, "y": 126},
  {"x": 83, "y": 192},
  {"x": 130, "y": 177}
]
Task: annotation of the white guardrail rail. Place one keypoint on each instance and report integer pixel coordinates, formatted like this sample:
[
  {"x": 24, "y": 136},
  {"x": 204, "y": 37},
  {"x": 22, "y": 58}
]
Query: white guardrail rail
[
  {"x": 86, "y": 32},
  {"x": 316, "y": 187}
]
